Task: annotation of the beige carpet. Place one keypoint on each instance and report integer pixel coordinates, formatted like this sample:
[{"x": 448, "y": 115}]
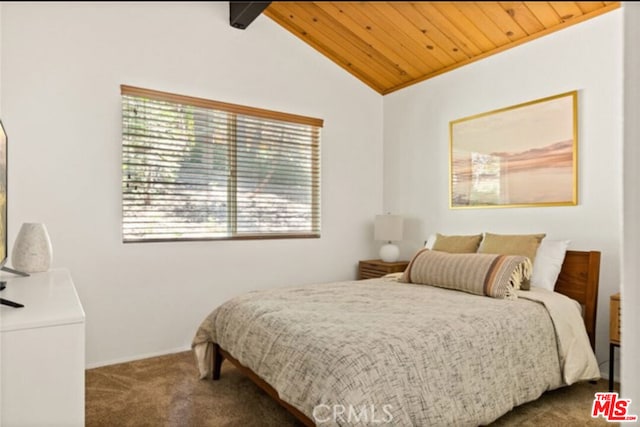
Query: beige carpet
[{"x": 165, "y": 391}]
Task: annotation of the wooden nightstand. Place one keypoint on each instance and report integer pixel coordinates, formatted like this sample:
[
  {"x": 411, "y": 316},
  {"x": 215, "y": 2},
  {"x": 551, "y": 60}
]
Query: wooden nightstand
[
  {"x": 373, "y": 268},
  {"x": 614, "y": 333}
]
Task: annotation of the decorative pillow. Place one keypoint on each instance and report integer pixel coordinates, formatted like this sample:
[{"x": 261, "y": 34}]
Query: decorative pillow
[
  {"x": 512, "y": 244},
  {"x": 549, "y": 259},
  {"x": 457, "y": 244},
  {"x": 493, "y": 275}
]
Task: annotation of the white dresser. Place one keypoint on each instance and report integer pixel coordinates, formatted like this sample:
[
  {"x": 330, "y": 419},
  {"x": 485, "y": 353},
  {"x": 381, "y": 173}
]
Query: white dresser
[{"x": 42, "y": 354}]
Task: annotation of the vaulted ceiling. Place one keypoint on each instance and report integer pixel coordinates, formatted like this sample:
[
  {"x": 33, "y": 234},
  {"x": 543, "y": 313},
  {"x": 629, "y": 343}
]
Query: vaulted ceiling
[{"x": 391, "y": 45}]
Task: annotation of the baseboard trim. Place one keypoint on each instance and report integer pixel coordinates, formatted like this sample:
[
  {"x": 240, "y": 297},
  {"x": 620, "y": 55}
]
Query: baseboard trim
[
  {"x": 604, "y": 373},
  {"x": 136, "y": 357}
]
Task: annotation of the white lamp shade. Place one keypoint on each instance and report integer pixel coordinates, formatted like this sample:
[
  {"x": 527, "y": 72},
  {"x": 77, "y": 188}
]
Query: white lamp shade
[{"x": 388, "y": 228}]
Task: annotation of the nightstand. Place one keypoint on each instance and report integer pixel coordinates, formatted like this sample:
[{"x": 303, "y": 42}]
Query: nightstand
[
  {"x": 614, "y": 333},
  {"x": 373, "y": 268}
]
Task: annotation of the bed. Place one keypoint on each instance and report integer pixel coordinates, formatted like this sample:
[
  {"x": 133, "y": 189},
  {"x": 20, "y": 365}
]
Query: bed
[{"x": 374, "y": 351}]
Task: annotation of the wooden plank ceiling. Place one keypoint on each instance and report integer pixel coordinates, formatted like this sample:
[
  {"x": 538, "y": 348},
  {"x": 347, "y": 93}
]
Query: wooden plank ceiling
[{"x": 392, "y": 45}]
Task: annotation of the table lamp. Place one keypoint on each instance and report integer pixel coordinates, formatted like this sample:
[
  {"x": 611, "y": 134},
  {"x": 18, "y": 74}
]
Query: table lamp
[{"x": 388, "y": 228}]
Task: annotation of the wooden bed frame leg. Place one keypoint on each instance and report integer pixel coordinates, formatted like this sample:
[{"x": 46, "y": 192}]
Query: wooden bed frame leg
[{"x": 218, "y": 358}]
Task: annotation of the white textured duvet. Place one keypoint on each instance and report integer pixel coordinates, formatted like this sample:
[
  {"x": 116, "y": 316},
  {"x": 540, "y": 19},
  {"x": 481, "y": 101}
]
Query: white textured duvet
[{"x": 416, "y": 354}]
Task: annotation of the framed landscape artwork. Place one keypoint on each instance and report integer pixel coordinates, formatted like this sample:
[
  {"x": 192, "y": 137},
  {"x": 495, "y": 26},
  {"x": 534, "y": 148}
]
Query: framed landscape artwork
[{"x": 523, "y": 155}]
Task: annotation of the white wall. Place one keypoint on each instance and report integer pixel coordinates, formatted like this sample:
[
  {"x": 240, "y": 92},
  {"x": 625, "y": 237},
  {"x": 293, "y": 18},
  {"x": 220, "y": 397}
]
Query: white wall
[
  {"x": 0, "y": 57},
  {"x": 631, "y": 237},
  {"x": 62, "y": 64},
  {"x": 587, "y": 58}
]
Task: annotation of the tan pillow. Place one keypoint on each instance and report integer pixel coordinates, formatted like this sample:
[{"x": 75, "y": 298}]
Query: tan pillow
[
  {"x": 512, "y": 244},
  {"x": 457, "y": 244}
]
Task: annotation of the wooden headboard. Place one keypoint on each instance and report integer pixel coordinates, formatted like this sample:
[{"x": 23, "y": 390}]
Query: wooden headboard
[{"x": 579, "y": 279}]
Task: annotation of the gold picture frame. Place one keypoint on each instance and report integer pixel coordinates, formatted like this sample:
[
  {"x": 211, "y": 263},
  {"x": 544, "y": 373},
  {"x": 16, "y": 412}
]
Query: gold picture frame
[{"x": 518, "y": 156}]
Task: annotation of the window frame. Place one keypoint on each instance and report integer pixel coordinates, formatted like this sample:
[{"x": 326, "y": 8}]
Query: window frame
[{"x": 235, "y": 110}]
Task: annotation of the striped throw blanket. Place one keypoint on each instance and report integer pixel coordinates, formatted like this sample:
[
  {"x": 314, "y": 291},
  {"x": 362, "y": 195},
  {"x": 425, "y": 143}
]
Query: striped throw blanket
[{"x": 497, "y": 276}]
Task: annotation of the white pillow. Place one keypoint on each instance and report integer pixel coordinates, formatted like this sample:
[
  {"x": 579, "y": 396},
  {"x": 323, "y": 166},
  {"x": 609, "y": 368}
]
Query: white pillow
[
  {"x": 430, "y": 241},
  {"x": 548, "y": 263}
]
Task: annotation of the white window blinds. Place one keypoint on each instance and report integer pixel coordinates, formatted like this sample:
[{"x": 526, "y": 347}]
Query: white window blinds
[{"x": 195, "y": 169}]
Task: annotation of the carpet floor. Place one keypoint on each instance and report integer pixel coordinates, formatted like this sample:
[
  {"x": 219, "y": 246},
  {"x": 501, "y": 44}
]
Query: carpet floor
[{"x": 166, "y": 391}]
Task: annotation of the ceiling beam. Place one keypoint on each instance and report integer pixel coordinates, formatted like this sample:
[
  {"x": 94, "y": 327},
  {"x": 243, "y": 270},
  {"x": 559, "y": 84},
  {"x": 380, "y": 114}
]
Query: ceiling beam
[{"x": 242, "y": 13}]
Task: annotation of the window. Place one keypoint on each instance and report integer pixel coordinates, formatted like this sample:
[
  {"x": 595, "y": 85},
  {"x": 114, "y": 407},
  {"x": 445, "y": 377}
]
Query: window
[{"x": 195, "y": 169}]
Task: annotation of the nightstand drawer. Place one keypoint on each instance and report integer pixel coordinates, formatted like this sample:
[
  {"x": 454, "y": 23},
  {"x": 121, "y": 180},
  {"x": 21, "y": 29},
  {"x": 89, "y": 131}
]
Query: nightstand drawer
[
  {"x": 614, "y": 319},
  {"x": 371, "y": 269}
]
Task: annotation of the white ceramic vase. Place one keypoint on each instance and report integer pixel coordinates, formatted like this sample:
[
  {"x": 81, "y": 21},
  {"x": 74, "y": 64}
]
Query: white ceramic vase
[{"x": 32, "y": 251}]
